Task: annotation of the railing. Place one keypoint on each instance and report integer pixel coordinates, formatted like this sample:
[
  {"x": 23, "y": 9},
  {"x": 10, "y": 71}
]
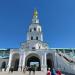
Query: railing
[{"x": 68, "y": 65}]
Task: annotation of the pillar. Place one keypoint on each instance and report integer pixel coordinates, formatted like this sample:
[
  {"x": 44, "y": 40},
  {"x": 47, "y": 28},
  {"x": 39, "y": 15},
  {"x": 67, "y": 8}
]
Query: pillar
[
  {"x": 23, "y": 65},
  {"x": 42, "y": 60},
  {"x": 44, "y": 63},
  {"x": 45, "y": 60},
  {"x": 10, "y": 60},
  {"x": 20, "y": 62}
]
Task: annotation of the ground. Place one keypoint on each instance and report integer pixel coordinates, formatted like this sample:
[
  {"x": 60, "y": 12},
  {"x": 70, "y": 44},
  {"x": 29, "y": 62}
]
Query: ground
[
  {"x": 27, "y": 73},
  {"x": 19, "y": 73}
]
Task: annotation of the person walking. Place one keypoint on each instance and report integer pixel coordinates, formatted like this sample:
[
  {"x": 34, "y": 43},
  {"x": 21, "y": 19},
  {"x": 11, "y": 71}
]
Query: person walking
[
  {"x": 29, "y": 69},
  {"x": 48, "y": 72},
  {"x": 33, "y": 69},
  {"x": 53, "y": 72},
  {"x": 11, "y": 69},
  {"x": 58, "y": 72},
  {"x": 25, "y": 69}
]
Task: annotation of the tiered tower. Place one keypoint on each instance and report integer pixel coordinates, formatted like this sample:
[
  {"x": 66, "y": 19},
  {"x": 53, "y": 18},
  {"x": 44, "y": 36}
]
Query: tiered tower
[
  {"x": 34, "y": 35},
  {"x": 35, "y": 31}
]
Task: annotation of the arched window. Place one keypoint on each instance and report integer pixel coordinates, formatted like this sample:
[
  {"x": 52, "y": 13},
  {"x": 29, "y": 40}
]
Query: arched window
[
  {"x": 34, "y": 29},
  {"x": 31, "y": 38},
  {"x": 3, "y": 64},
  {"x": 36, "y": 38}
]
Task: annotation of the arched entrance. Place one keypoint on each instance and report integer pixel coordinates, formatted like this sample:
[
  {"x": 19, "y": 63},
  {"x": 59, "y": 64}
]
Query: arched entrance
[
  {"x": 33, "y": 59},
  {"x": 15, "y": 61},
  {"x": 50, "y": 63},
  {"x": 3, "y": 66}
]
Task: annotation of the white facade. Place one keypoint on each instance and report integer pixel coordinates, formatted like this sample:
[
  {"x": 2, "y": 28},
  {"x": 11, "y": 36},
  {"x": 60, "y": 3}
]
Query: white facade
[{"x": 35, "y": 50}]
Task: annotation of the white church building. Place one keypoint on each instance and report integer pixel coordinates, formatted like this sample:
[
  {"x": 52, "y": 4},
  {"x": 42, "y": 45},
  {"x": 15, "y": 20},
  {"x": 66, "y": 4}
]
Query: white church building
[{"x": 36, "y": 51}]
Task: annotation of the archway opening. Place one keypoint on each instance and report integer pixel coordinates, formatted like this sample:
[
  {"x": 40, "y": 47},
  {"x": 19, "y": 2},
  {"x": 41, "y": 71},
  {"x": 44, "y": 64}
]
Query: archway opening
[
  {"x": 33, "y": 60},
  {"x": 15, "y": 61},
  {"x": 16, "y": 64},
  {"x": 50, "y": 63},
  {"x": 3, "y": 64}
]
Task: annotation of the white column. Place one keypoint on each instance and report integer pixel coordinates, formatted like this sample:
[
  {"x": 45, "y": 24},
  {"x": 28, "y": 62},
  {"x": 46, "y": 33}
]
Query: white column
[
  {"x": 45, "y": 60},
  {"x": 10, "y": 60},
  {"x": 20, "y": 61},
  {"x": 23, "y": 60},
  {"x": 43, "y": 64},
  {"x": 42, "y": 61}
]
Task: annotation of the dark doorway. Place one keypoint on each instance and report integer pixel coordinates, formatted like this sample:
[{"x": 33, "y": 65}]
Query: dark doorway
[
  {"x": 33, "y": 59},
  {"x": 3, "y": 64},
  {"x": 16, "y": 64},
  {"x": 49, "y": 63}
]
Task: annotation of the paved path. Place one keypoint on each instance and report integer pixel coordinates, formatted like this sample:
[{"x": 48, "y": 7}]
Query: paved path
[
  {"x": 27, "y": 73},
  {"x": 20, "y": 73}
]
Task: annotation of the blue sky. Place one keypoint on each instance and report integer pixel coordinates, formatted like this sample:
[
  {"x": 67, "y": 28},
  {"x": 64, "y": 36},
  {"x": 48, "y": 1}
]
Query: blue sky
[{"x": 57, "y": 18}]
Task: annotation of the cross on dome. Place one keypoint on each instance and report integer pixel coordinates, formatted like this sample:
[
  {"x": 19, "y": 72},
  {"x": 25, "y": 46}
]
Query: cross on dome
[
  {"x": 35, "y": 14},
  {"x": 35, "y": 17}
]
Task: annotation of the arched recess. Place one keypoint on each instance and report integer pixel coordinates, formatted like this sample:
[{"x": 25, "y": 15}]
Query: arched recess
[
  {"x": 15, "y": 61},
  {"x": 50, "y": 63},
  {"x": 3, "y": 64},
  {"x": 33, "y": 59}
]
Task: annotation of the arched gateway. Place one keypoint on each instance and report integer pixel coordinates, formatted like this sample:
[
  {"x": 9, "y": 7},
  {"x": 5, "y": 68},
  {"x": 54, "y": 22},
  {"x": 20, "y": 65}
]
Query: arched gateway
[
  {"x": 33, "y": 59},
  {"x": 49, "y": 60}
]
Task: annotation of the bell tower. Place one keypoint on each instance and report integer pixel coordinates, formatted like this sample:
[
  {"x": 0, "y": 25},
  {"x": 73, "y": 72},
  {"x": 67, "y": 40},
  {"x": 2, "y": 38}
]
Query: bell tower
[{"x": 35, "y": 31}]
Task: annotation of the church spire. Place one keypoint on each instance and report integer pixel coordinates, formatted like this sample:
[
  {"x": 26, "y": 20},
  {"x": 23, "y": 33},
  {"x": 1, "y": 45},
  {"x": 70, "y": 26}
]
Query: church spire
[
  {"x": 35, "y": 30},
  {"x": 35, "y": 16},
  {"x": 35, "y": 13}
]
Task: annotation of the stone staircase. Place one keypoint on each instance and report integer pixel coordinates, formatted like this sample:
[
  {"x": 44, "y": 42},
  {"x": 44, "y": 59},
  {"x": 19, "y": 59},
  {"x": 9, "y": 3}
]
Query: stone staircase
[{"x": 66, "y": 66}]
